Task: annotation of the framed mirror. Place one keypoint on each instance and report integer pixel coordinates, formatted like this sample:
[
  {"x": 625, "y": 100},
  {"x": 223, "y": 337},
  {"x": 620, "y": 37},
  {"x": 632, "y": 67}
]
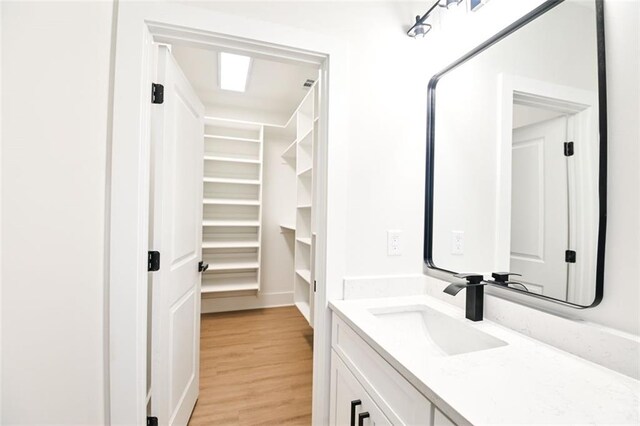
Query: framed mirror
[{"x": 517, "y": 154}]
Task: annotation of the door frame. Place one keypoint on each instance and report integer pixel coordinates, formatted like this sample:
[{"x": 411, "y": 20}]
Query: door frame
[{"x": 139, "y": 25}]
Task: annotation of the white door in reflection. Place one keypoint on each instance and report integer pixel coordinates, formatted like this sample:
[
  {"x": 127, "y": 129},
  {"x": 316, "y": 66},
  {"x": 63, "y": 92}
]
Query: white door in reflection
[{"x": 540, "y": 207}]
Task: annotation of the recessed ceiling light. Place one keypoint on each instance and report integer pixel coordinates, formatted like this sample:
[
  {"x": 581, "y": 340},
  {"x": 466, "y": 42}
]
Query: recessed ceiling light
[{"x": 234, "y": 71}]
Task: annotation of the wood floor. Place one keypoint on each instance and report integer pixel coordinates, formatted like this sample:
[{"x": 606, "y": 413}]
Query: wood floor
[{"x": 255, "y": 368}]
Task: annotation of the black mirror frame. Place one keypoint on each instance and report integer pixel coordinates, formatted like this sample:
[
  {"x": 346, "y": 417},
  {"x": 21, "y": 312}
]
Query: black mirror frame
[{"x": 602, "y": 119}]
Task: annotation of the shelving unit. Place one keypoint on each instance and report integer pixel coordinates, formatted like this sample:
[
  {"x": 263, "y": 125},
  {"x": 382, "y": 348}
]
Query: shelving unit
[
  {"x": 287, "y": 227},
  {"x": 232, "y": 207},
  {"x": 299, "y": 155},
  {"x": 234, "y": 181}
]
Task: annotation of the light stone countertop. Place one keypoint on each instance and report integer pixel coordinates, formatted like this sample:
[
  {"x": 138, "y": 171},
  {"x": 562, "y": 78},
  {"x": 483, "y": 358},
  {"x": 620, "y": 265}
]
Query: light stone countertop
[{"x": 523, "y": 382}]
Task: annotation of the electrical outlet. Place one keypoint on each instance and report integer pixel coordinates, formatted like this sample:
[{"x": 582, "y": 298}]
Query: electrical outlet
[
  {"x": 457, "y": 242},
  {"x": 394, "y": 247}
]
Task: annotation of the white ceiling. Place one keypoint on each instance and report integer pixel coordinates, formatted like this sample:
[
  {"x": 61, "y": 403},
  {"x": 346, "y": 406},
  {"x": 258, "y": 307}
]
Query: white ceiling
[{"x": 274, "y": 89}]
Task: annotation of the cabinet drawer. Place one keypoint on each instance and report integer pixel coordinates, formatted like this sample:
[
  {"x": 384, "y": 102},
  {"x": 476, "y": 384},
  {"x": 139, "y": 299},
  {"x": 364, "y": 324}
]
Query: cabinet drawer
[{"x": 395, "y": 396}]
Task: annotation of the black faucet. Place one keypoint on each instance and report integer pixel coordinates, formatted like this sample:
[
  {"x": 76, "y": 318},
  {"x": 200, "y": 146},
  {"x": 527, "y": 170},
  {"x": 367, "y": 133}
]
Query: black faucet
[
  {"x": 502, "y": 279},
  {"x": 475, "y": 294}
]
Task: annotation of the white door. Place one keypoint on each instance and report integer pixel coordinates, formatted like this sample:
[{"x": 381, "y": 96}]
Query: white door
[
  {"x": 539, "y": 207},
  {"x": 177, "y": 151}
]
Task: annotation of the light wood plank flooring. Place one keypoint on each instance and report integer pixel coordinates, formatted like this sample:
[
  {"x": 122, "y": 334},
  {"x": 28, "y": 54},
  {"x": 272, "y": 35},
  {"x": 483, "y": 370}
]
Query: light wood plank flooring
[{"x": 255, "y": 368}]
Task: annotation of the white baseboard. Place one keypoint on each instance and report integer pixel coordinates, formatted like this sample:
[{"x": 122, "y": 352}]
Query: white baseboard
[{"x": 243, "y": 303}]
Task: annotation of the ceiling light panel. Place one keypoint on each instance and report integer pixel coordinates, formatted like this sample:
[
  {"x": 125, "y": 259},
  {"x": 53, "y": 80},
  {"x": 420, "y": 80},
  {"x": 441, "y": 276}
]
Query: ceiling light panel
[{"x": 234, "y": 71}]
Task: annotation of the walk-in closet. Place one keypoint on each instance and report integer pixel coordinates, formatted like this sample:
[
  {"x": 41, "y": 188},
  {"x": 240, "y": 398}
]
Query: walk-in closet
[{"x": 260, "y": 141}]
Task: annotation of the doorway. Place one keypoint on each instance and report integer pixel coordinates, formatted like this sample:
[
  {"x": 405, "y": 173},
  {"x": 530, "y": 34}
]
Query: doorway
[
  {"x": 546, "y": 136},
  {"x": 140, "y": 27},
  {"x": 233, "y": 154}
]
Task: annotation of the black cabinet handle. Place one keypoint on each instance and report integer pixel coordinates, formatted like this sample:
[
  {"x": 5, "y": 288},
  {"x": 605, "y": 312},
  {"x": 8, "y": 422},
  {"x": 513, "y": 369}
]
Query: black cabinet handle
[
  {"x": 354, "y": 404},
  {"x": 202, "y": 266},
  {"x": 361, "y": 418}
]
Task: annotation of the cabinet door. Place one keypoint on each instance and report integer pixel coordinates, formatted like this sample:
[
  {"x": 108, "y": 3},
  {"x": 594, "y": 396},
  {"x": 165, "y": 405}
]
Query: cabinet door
[{"x": 345, "y": 390}]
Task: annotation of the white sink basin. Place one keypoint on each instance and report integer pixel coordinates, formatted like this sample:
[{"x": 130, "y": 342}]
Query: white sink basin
[{"x": 434, "y": 332}]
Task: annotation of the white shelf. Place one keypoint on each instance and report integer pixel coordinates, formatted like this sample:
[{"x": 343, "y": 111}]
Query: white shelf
[
  {"x": 230, "y": 202},
  {"x": 305, "y": 136},
  {"x": 306, "y": 241},
  {"x": 232, "y": 266},
  {"x": 295, "y": 113},
  {"x": 300, "y": 155},
  {"x": 230, "y": 159},
  {"x": 305, "y": 274},
  {"x": 231, "y": 223},
  {"x": 232, "y": 138},
  {"x": 290, "y": 152},
  {"x": 287, "y": 227},
  {"x": 304, "y": 309},
  {"x": 231, "y": 180},
  {"x": 230, "y": 244},
  {"x": 209, "y": 288},
  {"x": 306, "y": 172},
  {"x": 238, "y": 124}
]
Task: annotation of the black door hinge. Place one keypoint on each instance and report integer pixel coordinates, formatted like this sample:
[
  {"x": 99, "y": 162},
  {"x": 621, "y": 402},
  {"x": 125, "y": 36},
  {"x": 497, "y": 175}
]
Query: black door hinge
[
  {"x": 153, "y": 261},
  {"x": 314, "y": 286},
  {"x": 157, "y": 93},
  {"x": 570, "y": 256},
  {"x": 152, "y": 421},
  {"x": 202, "y": 266},
  {"x": 568, "y": 149}
]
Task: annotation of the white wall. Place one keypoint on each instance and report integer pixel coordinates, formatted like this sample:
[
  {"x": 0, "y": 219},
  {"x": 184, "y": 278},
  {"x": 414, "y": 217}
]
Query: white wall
[
  {"x": 389, "y": 75},
  {"x": 55, "y": 82}
]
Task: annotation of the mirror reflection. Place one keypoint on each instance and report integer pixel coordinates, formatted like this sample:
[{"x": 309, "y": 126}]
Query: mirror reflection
[{"x": 516, "y": 158}]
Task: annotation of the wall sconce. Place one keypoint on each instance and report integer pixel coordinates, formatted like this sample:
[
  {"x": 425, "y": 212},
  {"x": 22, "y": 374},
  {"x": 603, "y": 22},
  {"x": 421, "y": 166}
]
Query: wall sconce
[
  {"x": 420, "y": 28},
  {"x": 448, "y": 3}
]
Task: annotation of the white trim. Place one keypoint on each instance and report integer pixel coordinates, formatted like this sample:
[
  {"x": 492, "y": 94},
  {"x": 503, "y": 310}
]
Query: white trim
[
  {"x": 581, "y": 106},
  {"x": 1, "y": 417},
  {"x": 107, "y": 218},
  {"x": 138, "y": 23},
  {"x": 240, "y": 303}
]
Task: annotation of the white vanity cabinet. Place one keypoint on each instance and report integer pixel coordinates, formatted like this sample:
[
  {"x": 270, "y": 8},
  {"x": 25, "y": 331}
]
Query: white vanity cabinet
[
  {"x": 359, "y": 373},
  {"x": 351, "y": 403}
]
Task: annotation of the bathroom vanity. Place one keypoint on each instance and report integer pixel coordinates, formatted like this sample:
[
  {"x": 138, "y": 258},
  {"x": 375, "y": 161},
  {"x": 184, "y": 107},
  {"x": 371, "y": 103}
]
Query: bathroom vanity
[{"x": 417, "y": 361}]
